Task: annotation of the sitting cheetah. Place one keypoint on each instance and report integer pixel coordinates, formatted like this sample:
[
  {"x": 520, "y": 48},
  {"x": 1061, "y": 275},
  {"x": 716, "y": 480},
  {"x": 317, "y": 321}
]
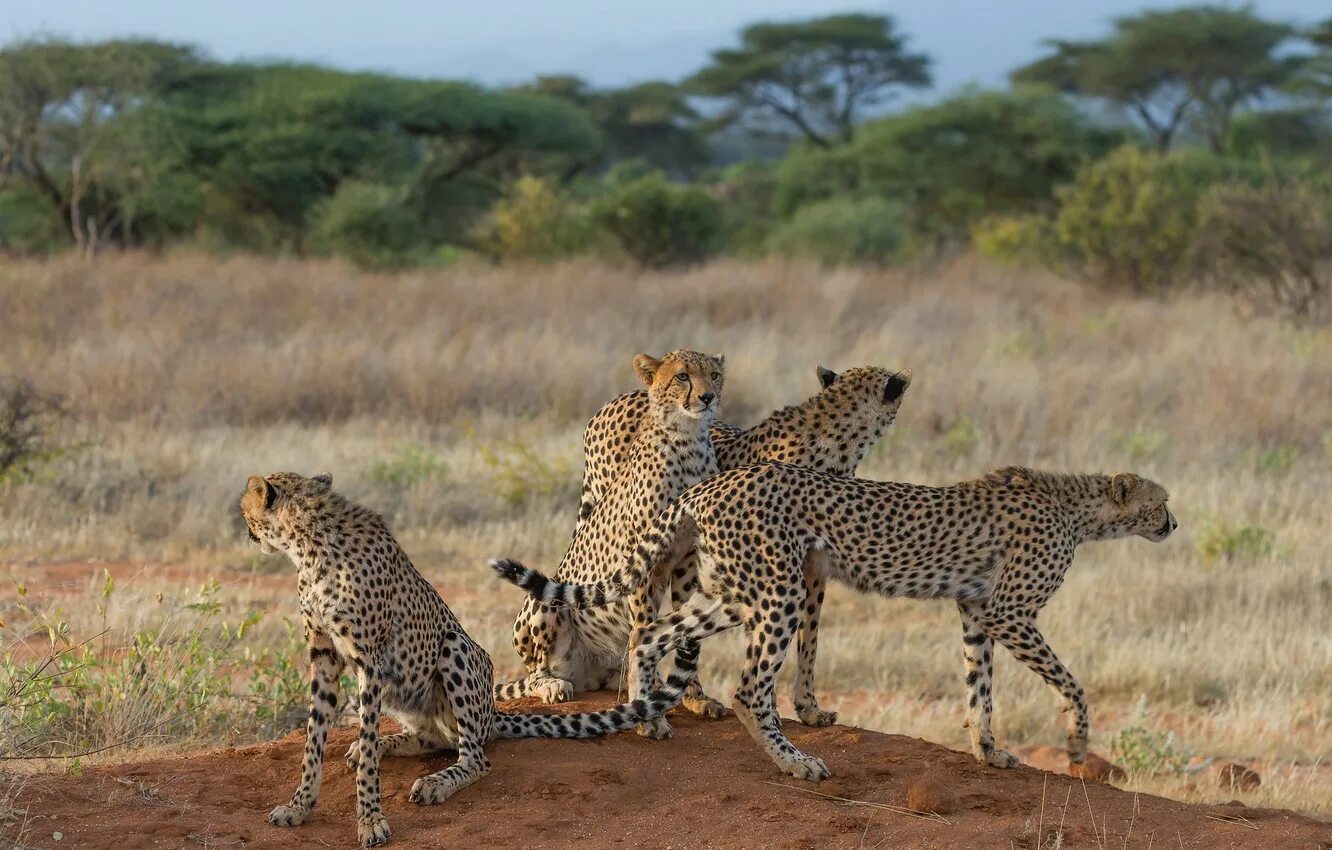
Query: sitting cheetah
[
  {"x": 364, "y": 604},
  {"x": 830, "y": 431},
  {"x": 567, "y": 651},
  {"x": 999, "y": 546}
]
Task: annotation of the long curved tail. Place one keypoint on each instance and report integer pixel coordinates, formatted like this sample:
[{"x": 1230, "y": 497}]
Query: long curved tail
[
  {"x": 660, "y": 537},
  {"x": 591, "y": 724}
]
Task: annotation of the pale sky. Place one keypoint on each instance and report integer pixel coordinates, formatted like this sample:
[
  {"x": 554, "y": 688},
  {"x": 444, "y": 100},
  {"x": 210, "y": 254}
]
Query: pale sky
[{"x": 610, "y": 43}]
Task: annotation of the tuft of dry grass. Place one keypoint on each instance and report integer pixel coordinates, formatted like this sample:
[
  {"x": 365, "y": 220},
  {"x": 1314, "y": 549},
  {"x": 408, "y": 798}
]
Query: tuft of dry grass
[{"x": 453, "y": 401}]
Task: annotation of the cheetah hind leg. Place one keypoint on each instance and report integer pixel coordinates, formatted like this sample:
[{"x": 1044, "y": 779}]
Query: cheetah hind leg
[
  {"x": 411, "y": 741},
  {"x": 684, "y": 584},
  {"x": 474, "y": 719},
  {"x": 695, "y": 700}
]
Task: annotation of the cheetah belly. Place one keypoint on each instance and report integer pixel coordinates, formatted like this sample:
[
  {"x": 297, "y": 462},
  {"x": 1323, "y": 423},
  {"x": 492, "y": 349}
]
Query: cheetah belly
[{"x": 605, "y": 633}]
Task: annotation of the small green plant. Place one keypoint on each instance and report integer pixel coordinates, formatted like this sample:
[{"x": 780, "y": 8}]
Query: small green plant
[
  {"x": 1142, "y": 750},
  {"x": 963, "y": 436},
  {"x": 177, "y": 679},
  {"x": 1278, "y": 460},
  {"x": 1221, "y": 540},
  {"x": 1140, "y": 443},
  {"x": 411, "y": 464},
  {"x": 520, "y": 474}
]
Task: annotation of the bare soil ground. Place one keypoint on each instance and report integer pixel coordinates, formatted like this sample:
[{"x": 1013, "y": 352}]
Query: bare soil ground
[{"x": 708, "y": 787}]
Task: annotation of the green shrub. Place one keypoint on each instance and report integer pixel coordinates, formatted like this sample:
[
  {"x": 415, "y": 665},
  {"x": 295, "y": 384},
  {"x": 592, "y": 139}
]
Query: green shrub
[
  {"x": 175, "y": 678},
  {"x": 843, "y": 231},
  {"x": 660, "y": 224},
  {"x": 29, "y": 224},
  {"x": 369, "y": 224},
  {"x": 1141, "y": 750},
  {"x": 1014, "y": 240},
  {"x": 533, "y": 222},
  {"x": 411, "y": 464},
  {"x": 1221, "y": 540},
  {"x": 1270, "y": 244},
  {"x": 1129, "y": 221},
  {"x": 747, "y": 191}
]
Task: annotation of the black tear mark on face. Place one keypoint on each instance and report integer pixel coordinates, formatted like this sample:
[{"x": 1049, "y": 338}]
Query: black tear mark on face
[{"x": 893, "y": 391}]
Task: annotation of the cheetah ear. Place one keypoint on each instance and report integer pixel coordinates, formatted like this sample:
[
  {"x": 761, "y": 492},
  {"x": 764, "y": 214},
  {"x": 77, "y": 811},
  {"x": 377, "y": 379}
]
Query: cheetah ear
[
  {"x": 325, "y": 478},
  {"x": 646, "y": 366},
  {"x": 826, "y": 376},
  {"x": 897, "y": 385},
  {"x": 259, "y": 484},
  {"x": 1122, "y": 487}
]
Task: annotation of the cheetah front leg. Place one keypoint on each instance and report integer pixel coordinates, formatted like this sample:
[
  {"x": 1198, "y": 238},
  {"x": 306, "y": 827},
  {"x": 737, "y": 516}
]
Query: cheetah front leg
[
  {"x": 978, "y": 656},
  {"x": 1028, "y": 645},
  {"x": 806, "y": 704},
  {"x": 372, "y": 826},
  {"x": 325, "y": 668}
]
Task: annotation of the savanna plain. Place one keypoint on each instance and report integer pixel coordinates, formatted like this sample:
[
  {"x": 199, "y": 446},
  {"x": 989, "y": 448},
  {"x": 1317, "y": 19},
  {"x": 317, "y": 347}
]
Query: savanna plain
[{"x": 142, "y": 390}]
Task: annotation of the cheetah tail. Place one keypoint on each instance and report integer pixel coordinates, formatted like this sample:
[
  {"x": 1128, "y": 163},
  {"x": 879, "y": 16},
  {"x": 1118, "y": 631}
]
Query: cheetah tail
[
  {"x": 641, "y": 563},
  {"x": 591, "y": 724}
]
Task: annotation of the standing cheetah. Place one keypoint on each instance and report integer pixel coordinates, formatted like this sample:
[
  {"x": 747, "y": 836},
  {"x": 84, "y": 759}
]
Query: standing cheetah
[
  {"x": 999, "y": 546},
  {"x": 830, "y": 432},
  {"x": 567, "y": 651},
  {"x": 364, "y": 604}
]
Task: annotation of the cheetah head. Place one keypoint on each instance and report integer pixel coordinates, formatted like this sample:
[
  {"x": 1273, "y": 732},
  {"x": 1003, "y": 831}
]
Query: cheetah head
[
  {"x": 1137, "y": 506},
  {"x": 269, "y": 502},
  {"x": 684, "y": 383},
  {"x": 871, "y": 390}
]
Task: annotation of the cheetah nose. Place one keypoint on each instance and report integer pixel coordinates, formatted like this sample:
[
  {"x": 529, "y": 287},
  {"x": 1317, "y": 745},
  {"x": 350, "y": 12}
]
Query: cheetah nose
[{"x": 707, "y": 398}]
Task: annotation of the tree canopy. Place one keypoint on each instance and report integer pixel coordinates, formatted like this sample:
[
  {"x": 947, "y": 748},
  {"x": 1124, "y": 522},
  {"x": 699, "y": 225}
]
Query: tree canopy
[
  {"x": 1169, "y": 67},
  {"x": 815, "y": 77}
]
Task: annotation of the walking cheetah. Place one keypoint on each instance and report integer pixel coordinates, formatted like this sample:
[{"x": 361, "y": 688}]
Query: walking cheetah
[
  {"x": 831, "y": 432},
  {"x": 999, "y": 546},
  {"x": 364, "y": 604},
  {"x": 567, "y": 650}
]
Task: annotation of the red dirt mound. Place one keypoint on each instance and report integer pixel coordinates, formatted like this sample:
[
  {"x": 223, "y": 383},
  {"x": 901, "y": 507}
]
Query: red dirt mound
[{"x": 709, "y": 787}]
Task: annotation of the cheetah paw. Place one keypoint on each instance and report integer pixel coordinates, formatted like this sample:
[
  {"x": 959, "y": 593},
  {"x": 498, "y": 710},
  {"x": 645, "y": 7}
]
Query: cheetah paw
[
  {"x": 287, "y": 816},
  {"x": 816, "y": 717},
  {"x": 657, "y": 729},
  {"x": 427, "y": 791},
  {"x": 704, "y": 707},
  {"x": 554, "y": 690},
  {"x": 1001, "y": 759},
  {"x": 372, "y": 830},
  {"x": 352, "y": 757},
  {"x": 807, "y": 767}
]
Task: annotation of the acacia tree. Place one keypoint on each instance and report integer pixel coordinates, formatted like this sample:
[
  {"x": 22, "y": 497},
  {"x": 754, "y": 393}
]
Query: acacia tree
[
  {"x": 817, "y": 77},
  {"x": 652, "y": 121},
  {"x": 1170, "y": 67},
  {"x": 67, "y": 123}
]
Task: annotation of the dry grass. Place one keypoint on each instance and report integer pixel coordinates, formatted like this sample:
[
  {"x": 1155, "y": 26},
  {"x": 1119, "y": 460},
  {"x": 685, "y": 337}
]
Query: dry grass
[{"x": 453, "y": 402}]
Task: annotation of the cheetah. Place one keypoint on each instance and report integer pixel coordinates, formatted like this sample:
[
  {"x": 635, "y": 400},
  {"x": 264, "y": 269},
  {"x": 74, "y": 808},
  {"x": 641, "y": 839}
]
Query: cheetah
[
  {"x": 999, "y": 546},
  {"x": 831, "y": 432},
  {"x": 365, "y": 605},
  {"x": 568, "y": 651}
]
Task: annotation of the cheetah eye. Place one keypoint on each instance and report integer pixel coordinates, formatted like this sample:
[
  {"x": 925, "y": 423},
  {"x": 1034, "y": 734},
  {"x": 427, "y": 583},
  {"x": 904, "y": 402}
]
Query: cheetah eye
[
  {"x": 716, "y": 376},
  {"x": 682, "y": 377}
]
